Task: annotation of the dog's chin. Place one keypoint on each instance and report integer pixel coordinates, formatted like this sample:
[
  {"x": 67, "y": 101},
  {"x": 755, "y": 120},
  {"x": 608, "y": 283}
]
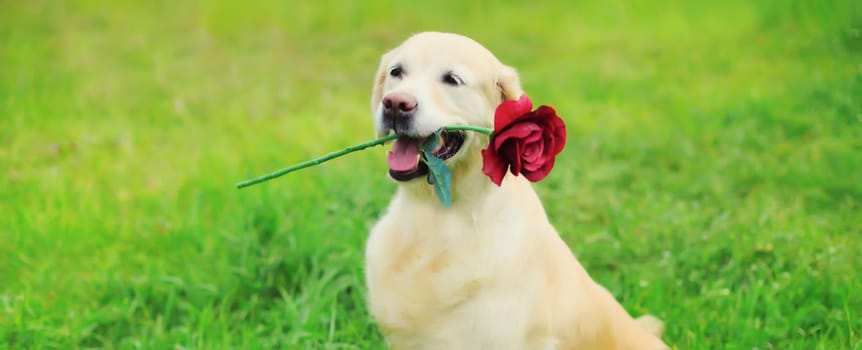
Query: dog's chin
[{"x": 451, "y": 143}]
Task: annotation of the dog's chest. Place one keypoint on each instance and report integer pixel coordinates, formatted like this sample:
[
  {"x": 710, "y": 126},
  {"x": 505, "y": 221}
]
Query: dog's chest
[
  {"x": 414, "y": 284},
  {"x": 447, "y": 309},
  {"x": 431, "y": 291}
]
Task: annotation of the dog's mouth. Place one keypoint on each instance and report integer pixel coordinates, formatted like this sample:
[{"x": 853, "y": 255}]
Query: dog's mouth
[{"x": 405, "y": 162}]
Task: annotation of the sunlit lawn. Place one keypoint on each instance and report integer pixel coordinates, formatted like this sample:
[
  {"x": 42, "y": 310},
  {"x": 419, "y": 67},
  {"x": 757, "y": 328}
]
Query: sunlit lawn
[{"x": 713, "y": 175}]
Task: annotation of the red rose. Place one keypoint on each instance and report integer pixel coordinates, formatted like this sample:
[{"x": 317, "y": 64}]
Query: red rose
[{"x": 524, "y": 141}]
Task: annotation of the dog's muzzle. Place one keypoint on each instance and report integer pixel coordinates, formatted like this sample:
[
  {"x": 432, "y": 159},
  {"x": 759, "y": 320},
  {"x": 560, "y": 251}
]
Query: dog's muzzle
[
  {"x": 398, "y": 113},
  {"x": 405, "y": 161}
]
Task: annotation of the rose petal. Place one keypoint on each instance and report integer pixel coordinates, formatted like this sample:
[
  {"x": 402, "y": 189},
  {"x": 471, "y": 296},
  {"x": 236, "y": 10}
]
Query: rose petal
[
  {"x": 531, "y": 167},
  {"x": 510, "y": 110},
  {"x": 526, "y": 142},
  {"x": 511, "y": 151},
  {"x": 535, "y": 136},
  {"x": 518, "y": 130},
  {"x": 542, "y": 172},
  {"x": 531, "y": 151},
  {"x": 551, "y": 147},
  {"x": 493, "y": 165},
  {"x": 553, "y": 125},
  {"x": 532, "y": 156}
]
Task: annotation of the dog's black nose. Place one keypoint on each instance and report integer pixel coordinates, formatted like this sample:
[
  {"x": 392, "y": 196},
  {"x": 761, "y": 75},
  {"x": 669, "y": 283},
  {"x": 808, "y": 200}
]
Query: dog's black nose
[{"x": 397, "y": 105}]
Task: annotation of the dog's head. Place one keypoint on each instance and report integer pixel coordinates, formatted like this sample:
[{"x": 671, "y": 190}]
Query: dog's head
[{"x": 434, "y": 80}]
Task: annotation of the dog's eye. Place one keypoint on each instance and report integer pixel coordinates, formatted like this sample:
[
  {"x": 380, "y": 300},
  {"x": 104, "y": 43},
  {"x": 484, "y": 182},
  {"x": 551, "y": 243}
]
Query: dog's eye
[
  {"x": 396, "y": 71},
  {"x": 452, "y": 79}
]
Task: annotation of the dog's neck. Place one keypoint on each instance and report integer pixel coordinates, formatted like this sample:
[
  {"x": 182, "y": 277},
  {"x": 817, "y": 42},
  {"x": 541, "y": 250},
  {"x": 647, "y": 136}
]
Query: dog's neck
[{"x": 471, "y": 188}]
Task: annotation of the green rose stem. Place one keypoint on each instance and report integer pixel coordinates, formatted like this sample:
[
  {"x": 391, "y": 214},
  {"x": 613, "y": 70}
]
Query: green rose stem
[{"x": 347, "y": 150}]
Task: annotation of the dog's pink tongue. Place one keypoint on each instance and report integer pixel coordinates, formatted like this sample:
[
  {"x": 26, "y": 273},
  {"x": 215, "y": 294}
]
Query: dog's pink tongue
[{"x": 404, "y": 155}]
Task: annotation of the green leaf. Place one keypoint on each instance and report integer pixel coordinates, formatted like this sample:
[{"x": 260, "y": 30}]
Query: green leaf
[{"x": 439, "y": 174}]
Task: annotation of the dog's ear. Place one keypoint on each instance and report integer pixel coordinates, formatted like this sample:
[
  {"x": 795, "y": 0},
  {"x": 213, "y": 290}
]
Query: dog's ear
[
  {"x": 508, "y": 83},
  {"x": 379, "y": 78}
]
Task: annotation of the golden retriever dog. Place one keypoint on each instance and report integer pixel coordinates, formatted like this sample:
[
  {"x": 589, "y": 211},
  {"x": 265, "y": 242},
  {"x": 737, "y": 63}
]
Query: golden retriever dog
[{"x": 489, "y": 272}]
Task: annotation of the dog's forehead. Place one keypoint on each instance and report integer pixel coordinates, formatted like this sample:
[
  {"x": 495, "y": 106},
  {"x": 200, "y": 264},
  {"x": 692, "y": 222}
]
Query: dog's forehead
[{"x": 442, "y": 49}]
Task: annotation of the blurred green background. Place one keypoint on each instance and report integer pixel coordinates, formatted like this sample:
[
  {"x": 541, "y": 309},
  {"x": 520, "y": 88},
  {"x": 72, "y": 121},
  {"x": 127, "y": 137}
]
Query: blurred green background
[{"x": 712, "y": 175}]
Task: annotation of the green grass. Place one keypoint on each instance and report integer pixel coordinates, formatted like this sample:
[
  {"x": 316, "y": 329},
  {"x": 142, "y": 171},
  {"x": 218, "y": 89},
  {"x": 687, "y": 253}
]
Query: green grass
[{"x": 713, "y": 174}]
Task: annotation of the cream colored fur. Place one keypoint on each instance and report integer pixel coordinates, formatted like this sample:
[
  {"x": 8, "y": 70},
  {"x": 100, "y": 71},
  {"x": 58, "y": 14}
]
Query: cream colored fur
[{"x": 490, "y": 272}]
